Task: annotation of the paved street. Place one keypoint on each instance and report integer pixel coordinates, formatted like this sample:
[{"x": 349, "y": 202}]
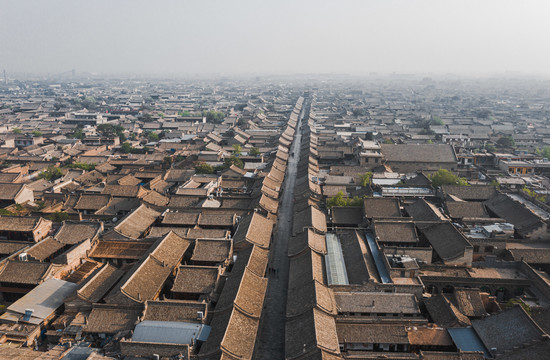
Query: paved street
[{"x": 271, "y": 343}]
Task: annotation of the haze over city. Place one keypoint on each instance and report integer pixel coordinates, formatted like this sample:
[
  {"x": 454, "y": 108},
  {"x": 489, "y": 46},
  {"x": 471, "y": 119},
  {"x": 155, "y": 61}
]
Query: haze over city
[
  {"x": 274, "y": 37},
  {"x": 274, "y": 180}
]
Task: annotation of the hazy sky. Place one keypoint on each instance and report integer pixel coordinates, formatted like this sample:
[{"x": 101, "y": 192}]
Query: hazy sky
[{"x": 283, "y": 36}]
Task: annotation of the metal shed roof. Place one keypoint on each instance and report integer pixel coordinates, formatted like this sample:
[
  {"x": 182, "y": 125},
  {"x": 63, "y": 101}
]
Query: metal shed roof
[{"x": 171, "y": 332}]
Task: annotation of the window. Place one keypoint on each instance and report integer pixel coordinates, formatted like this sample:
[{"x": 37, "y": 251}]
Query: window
[{"x": 489, "y": 249}]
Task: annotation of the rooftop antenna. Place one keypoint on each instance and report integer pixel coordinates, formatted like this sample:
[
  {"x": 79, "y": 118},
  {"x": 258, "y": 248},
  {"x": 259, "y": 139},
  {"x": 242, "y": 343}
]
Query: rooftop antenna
[{"x": 5, "y": 77}]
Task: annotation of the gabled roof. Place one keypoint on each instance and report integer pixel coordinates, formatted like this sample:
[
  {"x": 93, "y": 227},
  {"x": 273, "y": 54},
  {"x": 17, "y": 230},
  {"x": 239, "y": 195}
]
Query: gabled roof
[
  {"x": 395, "y": 232},
  {"x": 472, "y": 193},
  {"x": 523, "y": 219},
  {"x": 372, "y": 333},
  {"x": 181, "y": 218},
  {"x": 133, "y": 191},
  {"x": 376, "y": 302},
  {"x": 111, "y": 319},
  {"x": 506, "y": 330},
  {"x": 24, "y": 272},
  {"x": 137, "y": 222},
  {"x": 254, "y": 229},
  {"x": 305, "y": 268},
  {"x": 307, "y": 239},
  {"x": 381, "y": 208},
  {"x": 196, "y": 279},
  {"x": 147, "y": 277},
  {"x": 447, "y": 241},
  {"x": 469, "y": 302},
  {"x": 257, "y": 262},
  {"x": 212, "y": 250},
  {"x": 421, "y": 210},
  {"x": 250, "y": 297},
  {"x": 240, "y": 337},
  {"x": 433, "y": 153},
  {"x": 154, "y": 198},
  {"x": 531, "y": 255},
  {"x": 23, "y": 224},
  {"x": 92, "y": 201},
  {"x": 347, "y": 215},
  {"x": 466, "y": 209},
  {"x": 125, "y": 249},
  {"x": 312, "y": 294},
  {"x": 44, "y": 249},
  {"x": 233, "y": 171},
  {"x": 444, "y": 313},
  {"x": 269, "y": 204},
  {"x": 99, "y": 284},
  {"x": 8, "y": 191},
  {"x": 76, "y": 232},
  {"x": 311, "y": 217},
  {"x": 312, "y": 331},
  {"x": 174, "y": 310}
]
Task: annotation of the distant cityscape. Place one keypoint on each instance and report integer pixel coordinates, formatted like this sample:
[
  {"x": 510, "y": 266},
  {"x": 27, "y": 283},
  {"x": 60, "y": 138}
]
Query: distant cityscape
[{"x": 274, "y": 217}]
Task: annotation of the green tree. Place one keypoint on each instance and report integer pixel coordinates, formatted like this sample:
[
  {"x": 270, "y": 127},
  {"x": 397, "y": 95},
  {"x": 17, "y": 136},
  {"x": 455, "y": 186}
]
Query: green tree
[
  {"x": 17, "y": 131},
  {"x": 490, "y": 147},
  {"x": 109, "y": 130},
  {"x": 506, "y": 142},
  {"x": 388, "y": 141},
  {"x": 58, "y": 216},
  {"x": 186, "y": 113},
  {"x": 445, "y": 177},
  {"x": 213, "y": 116},
  {"x": 340, "y": 200},
  {"x": 126, "y": 147},
  {"x": 545, "y": 152},
  {"x": 204, "y": 168},
  {"x": 337, "y": 200},
  {"x": 366, "y": 179},
  {"x": 77, "y": 134},
  {"x": 37, "y": 133},
  {"x": 237, "y": 149},
  {"x": 483, "y": 114},
  {"x": 513, "y": 302},
  {"x": 51, "y": 173},
  {"x": 152, "y": 136},
  {"x": 233, "y": 160},
  {"x": 5, "y": 212},
  {"x": 255, "y": 151},
  {"x": 359, "y": 112},
  {"x": 82, "y": 165},
  {"x": 436, "y": 120},
  {"x": 534, "y": 194}
]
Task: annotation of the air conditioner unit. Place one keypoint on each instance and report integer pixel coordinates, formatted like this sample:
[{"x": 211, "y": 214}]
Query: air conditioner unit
[
  {"x": 23, "y": 257},
  {"x": 200, "y": 315}
]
